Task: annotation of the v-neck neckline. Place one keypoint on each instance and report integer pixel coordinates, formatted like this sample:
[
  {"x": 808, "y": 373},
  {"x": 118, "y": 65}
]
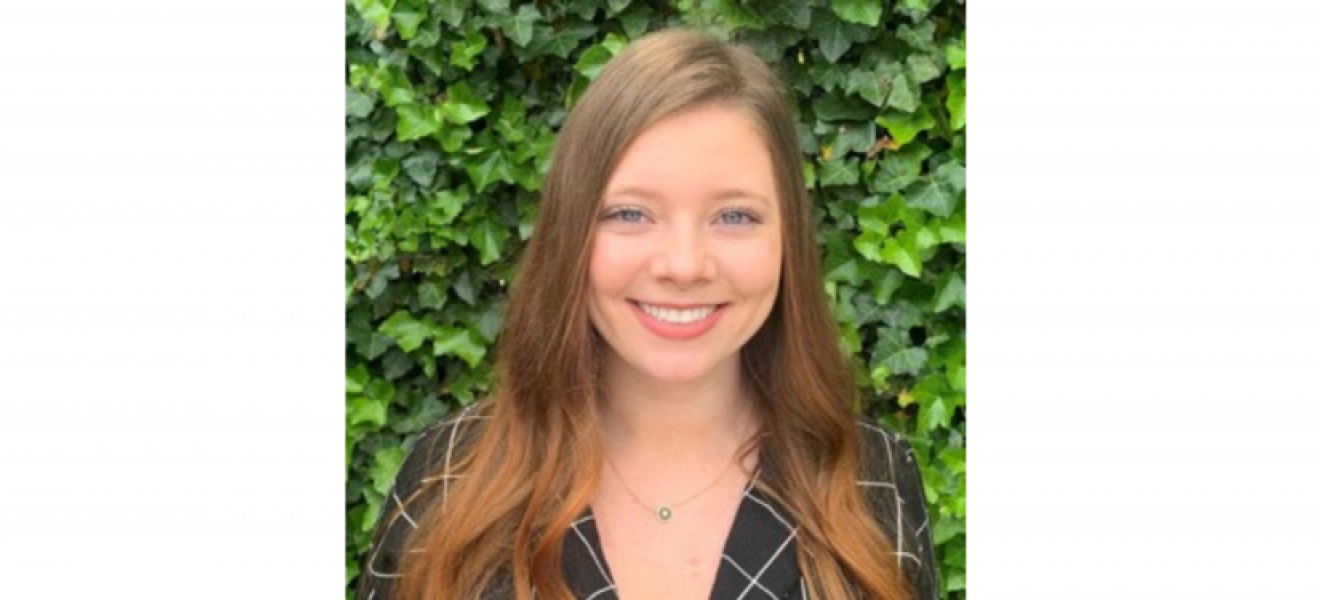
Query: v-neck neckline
[{"x": 758, "y": 551}]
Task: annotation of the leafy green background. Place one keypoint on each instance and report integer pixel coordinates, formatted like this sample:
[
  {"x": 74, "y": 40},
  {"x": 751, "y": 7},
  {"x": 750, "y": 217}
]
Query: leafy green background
[{"x": 452, "y": 107}]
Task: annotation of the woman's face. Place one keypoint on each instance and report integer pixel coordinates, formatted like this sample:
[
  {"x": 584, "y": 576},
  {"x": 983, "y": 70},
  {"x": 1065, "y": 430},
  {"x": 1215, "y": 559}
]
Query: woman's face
[{"x": 686, "y": 260}]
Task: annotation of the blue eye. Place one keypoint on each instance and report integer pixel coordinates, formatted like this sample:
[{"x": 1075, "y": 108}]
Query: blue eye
[
  {"x": 738, "y": 217},
  {"x": 628, "y": 215}
]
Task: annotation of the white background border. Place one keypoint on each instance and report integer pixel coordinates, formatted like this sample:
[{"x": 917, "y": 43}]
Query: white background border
[{"x": 1141, "y": 328}]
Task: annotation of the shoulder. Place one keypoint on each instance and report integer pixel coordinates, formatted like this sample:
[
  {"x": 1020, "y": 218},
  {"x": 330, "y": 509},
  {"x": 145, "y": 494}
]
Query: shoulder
[
  {"x": 891, "y": 482},
  {"x": 439, "y": 447},
  {"x": 422, "y": 480},
  {"x": 884, "y": 451},
  {"x": 888, "y": 473}
]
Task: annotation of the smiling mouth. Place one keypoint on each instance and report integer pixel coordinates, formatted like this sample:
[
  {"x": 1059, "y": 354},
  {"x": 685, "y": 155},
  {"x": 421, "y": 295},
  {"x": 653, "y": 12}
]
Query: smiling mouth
[{"x": 678, "y": 316}]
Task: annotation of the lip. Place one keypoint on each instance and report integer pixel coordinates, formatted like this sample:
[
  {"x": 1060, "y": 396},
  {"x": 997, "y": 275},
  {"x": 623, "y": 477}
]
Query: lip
[
  {"x": 676, "y": 306},
  {"x": 677, "y": 331}
]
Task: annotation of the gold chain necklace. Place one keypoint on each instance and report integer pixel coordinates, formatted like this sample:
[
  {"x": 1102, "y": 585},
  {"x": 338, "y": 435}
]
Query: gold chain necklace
[{"x": 665, "y": 512}]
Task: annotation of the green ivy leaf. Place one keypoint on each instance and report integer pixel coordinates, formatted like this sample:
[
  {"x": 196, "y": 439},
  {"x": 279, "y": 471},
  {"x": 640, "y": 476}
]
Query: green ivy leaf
[
  {"x": 955, "y": 53},
  {"x": 950, "y": 291},
  {"x": 593, "y": 60},
  {"x": 905, "y": 94},
  {"x": 954, "y": 230},
  {"x": 520, "y": 25},
  {"x": 923, "y": 67},
  {"x": 431, "y": 296},
  {"x": 462, "y": 106},
  {"x": 376, "y": 345},
  {"x": 872, "y": 218},
  {"x": 932, "y": 197},
  {"x": 895, "y": 352},
  {"x": 459, "y": 342},
  {"x": 397, "y": 364},
  {"x": 869, "y": 245},
  {"x": 421, "y": 167},
  {"x": 377, "y": 12},
  {"x": 426, "y": 39},
  {"x": 833, "y": 108},
  {"x": 416, "y": 122},
  {"x": 935, "y": 415},
  {"x": 366, "y": 410},
  {"x": 921, "y": 38},
  {"x": 862, "y": 12},
  {"x": 796, "y": 15},
  {"x": 889, "y": 284},
  {"x": 356, "y": 379},
  {"x": 953, "y": 176},
  {"x": 867, "y": 85},
  {"x": 902, "y": 314},
  {"x": 834, "y": 37},
  {"x": 838, "y": 172},
  {"x": 925, "y": 238},
  {"x": 584, "y": 9},
  {"x": 394, "y": 86},
  {"x": 406, "y": 22},
  {"x": 358, "y": 105},
  {"x": 900, "y": 169},
  {"x": 902, "y": 127},
  {"x": 493, "y": 166},
  {"x": 385, "y": 468},
  {"x": 465, "y": 51},
  {"x": 854, "y": 138},
  {"x": 732, "y": 15},
  {"x": 408, "y": 332},
  {"x": 563, "y": 42},
  {"x": 453, "y": 137},
  {"x": 445, "y": 205},
  {"x": 451, "y": 11},
  {"x": 771, "y": 43},
  {"x": 956, "y": 103},
  {"x": 463, "y": 287},
  {"x": 381, "y": 390},
  {"x": 945, "y": 530},
  {"x": 902, "y": 252},
  {"x": 510, "y": 123},
  {"x": 489, "y": 238},
  {"x": 614, "y": 7}
]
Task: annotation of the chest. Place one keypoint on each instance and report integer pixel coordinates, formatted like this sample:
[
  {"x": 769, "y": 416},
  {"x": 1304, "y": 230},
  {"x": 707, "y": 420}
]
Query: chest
[
  {"x": 691, "y": 556},
  {"x": 678, "y": 559}
]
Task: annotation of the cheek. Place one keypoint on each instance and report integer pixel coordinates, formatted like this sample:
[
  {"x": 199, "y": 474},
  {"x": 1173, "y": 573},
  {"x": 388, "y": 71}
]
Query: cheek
[
  {"x": 758, "y": 268},
  {"x": 608, "y": 271}
]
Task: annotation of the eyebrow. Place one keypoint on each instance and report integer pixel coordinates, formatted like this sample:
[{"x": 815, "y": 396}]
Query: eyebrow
[{"x": 722, "y": 195}]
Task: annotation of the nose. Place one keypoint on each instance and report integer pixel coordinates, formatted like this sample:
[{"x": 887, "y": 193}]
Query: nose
[{"x": 683, "y": 258}]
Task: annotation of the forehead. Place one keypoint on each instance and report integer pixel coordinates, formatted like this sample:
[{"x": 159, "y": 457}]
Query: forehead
[{"x": 709, "y": 152}]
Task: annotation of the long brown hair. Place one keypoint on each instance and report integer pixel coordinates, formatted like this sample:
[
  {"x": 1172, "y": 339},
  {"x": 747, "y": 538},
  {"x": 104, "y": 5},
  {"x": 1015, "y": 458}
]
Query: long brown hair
[{"x": 535, "y": 464}]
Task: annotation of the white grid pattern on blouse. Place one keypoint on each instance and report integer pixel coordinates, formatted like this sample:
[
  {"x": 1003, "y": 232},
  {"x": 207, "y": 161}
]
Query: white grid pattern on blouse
[
  {"x": 889, "y": 439},
  {"x": 403, "y": 512},
  {"x": 600, "y": 566}
]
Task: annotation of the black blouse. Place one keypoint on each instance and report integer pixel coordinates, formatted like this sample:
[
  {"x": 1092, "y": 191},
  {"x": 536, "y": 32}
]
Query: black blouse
[{"x": 760, "y": 553}]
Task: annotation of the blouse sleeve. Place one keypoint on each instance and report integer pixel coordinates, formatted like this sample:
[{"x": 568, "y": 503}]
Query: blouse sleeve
[
  {"x": 419, "y": 482},
  {"x": 893, "y": 484}
]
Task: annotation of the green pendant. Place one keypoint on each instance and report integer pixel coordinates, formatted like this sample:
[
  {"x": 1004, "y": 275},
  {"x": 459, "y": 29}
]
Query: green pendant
[{"x": 664, "y": 513}]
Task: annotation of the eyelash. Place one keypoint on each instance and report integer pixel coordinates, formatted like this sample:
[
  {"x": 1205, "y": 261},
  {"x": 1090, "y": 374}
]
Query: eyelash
[
  {"x": 615, "y": 214},
  {"x": 749, "y": 216}
]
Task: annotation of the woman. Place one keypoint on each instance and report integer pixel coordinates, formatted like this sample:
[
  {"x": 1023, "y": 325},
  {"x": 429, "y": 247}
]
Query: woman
[{"x": 672, "y": 416}]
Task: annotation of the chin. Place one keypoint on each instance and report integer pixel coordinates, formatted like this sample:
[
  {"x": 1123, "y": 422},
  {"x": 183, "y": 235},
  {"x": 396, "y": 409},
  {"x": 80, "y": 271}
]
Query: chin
[{"x": 680, "y": 371}]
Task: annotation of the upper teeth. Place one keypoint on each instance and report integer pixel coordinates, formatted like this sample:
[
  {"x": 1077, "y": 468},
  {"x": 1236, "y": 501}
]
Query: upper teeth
[{"x": 670, "y": 315}]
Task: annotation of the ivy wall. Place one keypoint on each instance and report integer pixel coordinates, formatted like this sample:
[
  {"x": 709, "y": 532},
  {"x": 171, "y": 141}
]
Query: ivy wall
[{"x": 452, "y": 107}]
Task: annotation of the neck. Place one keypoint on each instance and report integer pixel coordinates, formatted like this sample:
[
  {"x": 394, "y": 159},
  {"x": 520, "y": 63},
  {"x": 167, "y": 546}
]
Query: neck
[{"x": 690, "y": 421}]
